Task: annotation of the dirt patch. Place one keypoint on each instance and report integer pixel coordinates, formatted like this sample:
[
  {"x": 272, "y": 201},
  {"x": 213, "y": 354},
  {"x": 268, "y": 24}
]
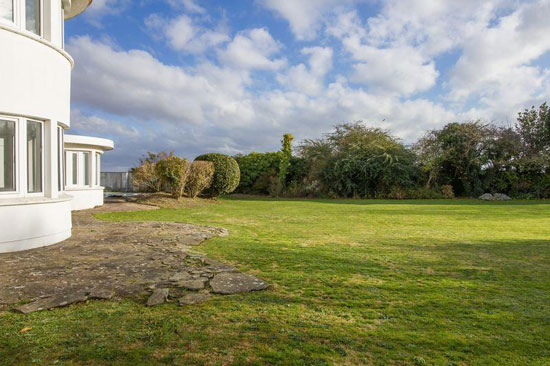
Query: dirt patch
[{"x": 123, "y": 258}]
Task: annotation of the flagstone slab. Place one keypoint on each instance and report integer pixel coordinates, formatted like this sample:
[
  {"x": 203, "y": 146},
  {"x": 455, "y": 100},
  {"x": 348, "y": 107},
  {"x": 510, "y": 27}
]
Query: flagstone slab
[
  {"x": 228, "y": 283},
  {"x": 103, "y": 260}
]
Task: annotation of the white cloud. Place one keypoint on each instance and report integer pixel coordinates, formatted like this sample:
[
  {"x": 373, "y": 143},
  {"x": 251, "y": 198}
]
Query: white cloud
[
  {"x": 309, "y": 80},
  {"x": 394, "y": 68},
  {"x": 101, "y": 8},
  {"x": 192, "y": 6},
  {"x": 209, "y": 108},
  {"x": 496, "y": 64},
  {"x": 224, "y": 103},
  {"x": 304, "y": 16},
  {"x": 94, "y": 125},
  {"x": 399, "y": 70},
  {"x": 252, "y": 49},
  {"x": 134, "y": 83},
  {"x": 183, "y": 34}
]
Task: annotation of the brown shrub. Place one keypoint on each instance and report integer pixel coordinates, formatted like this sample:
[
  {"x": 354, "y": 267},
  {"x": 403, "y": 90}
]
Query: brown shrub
[
  {"x": 173, "y": 172},
  {"x": 200, "y": 177},
  {"x": 144, "y": 177}
]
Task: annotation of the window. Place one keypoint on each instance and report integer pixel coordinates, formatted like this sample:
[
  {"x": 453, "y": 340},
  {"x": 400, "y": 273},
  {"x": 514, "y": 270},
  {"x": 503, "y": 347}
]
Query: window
[
  {"x": 75, "y": 168},
  {"x": 6, "y": 10},
  {"x": 32, "y": 16},
  {"x": 86, "y": 170},
  {"x": 34, "y": 156},
  {"x": 60, "y": 160},
  {"x": 7, "y": 156},
  {"x": 62, "y": 28},
  {"x": 97, "y": 169}
]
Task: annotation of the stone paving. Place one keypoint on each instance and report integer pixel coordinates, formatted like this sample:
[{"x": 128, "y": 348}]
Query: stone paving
[{"x": 105, "y": 260}]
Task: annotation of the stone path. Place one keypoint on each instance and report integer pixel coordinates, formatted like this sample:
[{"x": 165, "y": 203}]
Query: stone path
[{"x": 103, "y": 260}]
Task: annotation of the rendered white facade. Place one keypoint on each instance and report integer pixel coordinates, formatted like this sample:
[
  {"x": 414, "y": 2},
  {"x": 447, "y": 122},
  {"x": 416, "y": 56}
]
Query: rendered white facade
[
  {"x": 83, "y": 168},
  {"x": 35, "y": 80}
]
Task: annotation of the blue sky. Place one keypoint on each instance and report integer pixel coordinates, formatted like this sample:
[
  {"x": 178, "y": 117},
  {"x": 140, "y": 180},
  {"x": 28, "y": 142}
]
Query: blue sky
[{"x": 196, "y": 76}]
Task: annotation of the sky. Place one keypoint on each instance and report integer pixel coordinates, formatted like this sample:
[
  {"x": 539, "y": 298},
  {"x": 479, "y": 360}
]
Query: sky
[{"x": 198, "y": 76}]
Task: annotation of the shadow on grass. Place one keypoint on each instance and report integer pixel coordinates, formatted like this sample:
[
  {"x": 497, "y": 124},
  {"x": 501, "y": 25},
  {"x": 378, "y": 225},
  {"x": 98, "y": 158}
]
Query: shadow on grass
[{"x": 350, "y": 201}]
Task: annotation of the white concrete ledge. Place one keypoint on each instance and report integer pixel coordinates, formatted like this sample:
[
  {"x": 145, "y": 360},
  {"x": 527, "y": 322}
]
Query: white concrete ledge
[
  {"x": 33, "y": 200},
  {"x": 38, "y": 39},
  {"x": 33, "y": 243},
  {"x": 85, "y": 198},
  {"x": 97, "y": 143},
  {"x": 34, "y": 222}
]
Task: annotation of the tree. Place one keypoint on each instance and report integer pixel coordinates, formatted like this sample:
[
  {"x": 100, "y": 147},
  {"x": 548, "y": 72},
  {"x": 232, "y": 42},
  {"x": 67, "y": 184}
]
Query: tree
[
  {"x": 357, "y": 161},
  {"x": 455, "y": 155},
  {"x": 534, "y": 128}
]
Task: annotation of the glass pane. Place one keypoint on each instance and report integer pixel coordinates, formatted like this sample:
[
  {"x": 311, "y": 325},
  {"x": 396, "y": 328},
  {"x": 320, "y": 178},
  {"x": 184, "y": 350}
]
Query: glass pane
[
  {"x": 7, "y": 156},
  {"x": 6, "y": 10},
  {"x": 75, "y": 169},
  {"x": 86, "y": 171},
  {"x": 60, "y": 164},
  {"x": 97, "y": 169},
  {"x": 34, "y": 156},
  {"x": 32, "y": 16}
]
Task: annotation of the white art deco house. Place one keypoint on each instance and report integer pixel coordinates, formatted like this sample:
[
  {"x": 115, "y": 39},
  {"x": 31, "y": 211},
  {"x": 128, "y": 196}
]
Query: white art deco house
[{"x": 35, "y": 80}]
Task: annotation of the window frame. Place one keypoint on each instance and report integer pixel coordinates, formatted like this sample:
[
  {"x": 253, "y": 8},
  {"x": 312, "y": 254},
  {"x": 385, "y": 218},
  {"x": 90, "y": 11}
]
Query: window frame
[
  {"x": 16, "y": 159},
  {"x": 71, "y": 156},
  {"x": 97, "y": 169},
  {"x": 13, "y": 15},
  {"x": 40, "y": 18},
  {"x": 86, "y": 157},
  {"x": 42, "y": 159},
  {"x": 79, "y": 155},
  {"x": 60, "y": 159}
]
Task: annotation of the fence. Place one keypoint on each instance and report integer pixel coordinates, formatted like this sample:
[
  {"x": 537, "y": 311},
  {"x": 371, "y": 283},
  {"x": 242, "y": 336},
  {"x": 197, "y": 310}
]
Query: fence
[{"x": 117, "y": 181}]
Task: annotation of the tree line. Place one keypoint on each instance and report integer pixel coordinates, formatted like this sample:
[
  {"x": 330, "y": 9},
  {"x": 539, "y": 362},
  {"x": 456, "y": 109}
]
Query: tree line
[{"x": 357, "y": 161}]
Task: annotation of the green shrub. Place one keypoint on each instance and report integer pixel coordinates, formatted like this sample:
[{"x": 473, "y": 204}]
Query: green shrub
[
  {"x": 226, "y": 173},
  {"x": 254, "y": 167},
  {"x": 422, "y": 193},
  {"x": 200, "y": 178},
  {"x": 397, "y": 193},
  {"x": 172, "y": 171},
  {"x": 297, "y": 171}
]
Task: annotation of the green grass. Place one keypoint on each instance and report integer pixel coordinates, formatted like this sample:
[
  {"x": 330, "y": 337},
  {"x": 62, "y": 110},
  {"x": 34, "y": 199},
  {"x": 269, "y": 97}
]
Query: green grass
[{"x": 353, "y": 283}]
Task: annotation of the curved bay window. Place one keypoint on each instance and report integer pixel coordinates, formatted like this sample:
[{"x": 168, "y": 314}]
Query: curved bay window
[
  {"x": 34, "y": 156},
  {"x": 24, "y": 14},
  {"x": 7, "y": 155}
]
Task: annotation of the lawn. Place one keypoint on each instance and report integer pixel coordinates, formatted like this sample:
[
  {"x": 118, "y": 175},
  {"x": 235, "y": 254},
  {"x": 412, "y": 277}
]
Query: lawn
[{"x": 352, "y": 283}]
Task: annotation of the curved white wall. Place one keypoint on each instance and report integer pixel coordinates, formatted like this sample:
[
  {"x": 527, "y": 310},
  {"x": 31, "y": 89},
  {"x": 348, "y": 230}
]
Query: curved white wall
[
  {"x": 86, "y": 198},
  {"x": 35, "y": 84},
  {"x": 35, "y": 77},
  {"x": 33, "y": 223}
]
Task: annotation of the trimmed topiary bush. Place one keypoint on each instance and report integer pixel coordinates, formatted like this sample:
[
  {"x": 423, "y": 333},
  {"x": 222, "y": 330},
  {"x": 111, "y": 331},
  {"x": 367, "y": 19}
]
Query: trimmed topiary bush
[
  {"x": 200, "y": 177},
  {"x": 226, "y": 173}
]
